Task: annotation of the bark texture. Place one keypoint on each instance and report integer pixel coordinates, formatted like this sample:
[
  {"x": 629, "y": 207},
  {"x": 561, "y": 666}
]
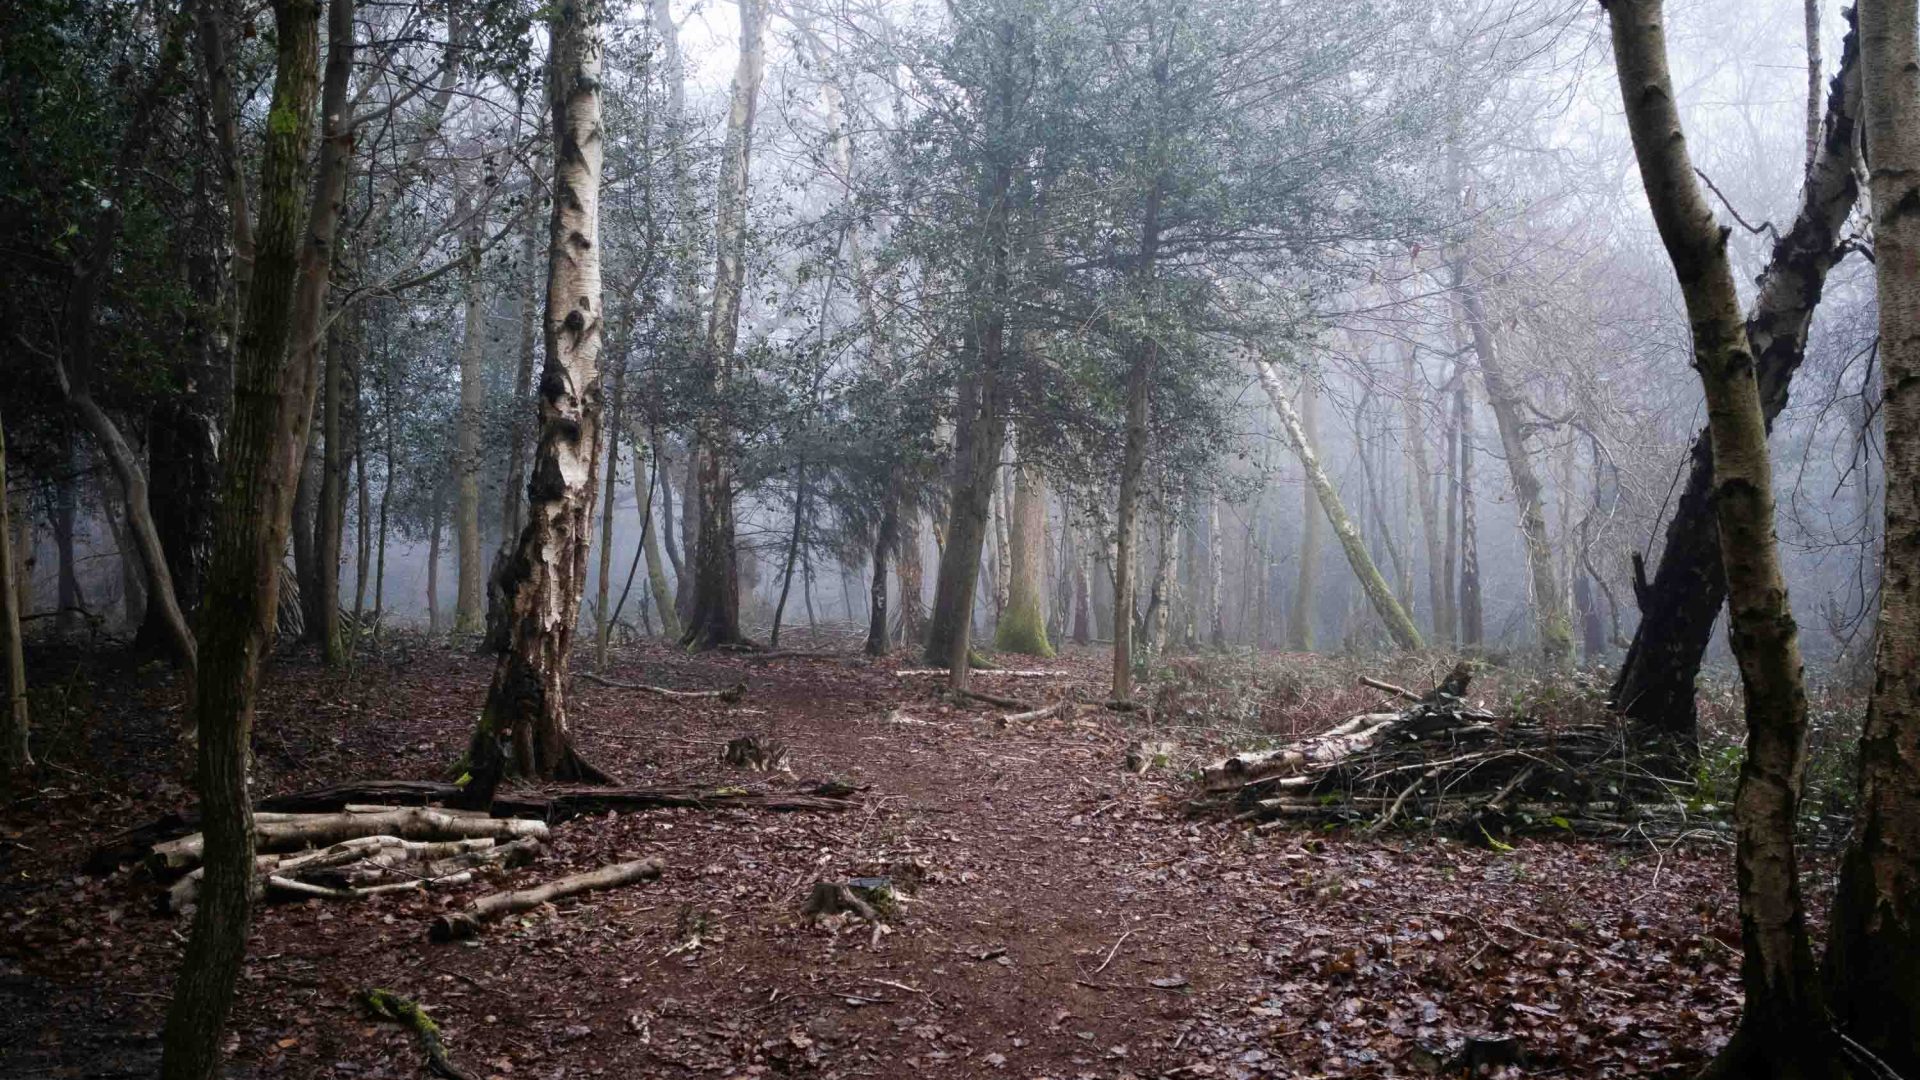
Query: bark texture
[
  {"x": 1873, "y": 958},
  {"x": 1783, "y": 1030},
  {"x": 523, "y": 725},
  {"x": 1023, "y": 625},
  {"x": 1678, "y": 606},
  {"x": 715, "y": 619},
  {"x": 272, "y": 405}
]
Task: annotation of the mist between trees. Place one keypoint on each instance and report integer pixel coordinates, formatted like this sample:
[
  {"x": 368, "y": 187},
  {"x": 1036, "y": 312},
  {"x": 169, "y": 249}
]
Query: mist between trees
[{"x": 1531, "y": 332}]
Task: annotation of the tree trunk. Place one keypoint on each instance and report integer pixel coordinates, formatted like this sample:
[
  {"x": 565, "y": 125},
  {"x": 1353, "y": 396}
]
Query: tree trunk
[
  {"x": 1300, "y": 621},
  {"x": 913, "y": 606},
  {"x": 602, "y": 616},
  {"x": 1873, "y": 957},
  {"x": 886, "y": 536},
  {"x": 272, "y": 405},
  {"x": 1023, "y": 625},
  {"x": 73, "y": 368},
  {"x": 795, "y": 539},
  {"x": 514, "y": 494},
  {"x": 1216, "y": 622},
  {"x": 1678, "y": 607},
  {"x": 523, "y": 725},
  {"x": 1082, "y": 591},
  {"x": 1543, "y": 584},
  {"x": 66, "y": 603},
  {"x": 469, "y": 613},
  {"x": 15, "y": 756},
  {"x": 650, "y": 531},
  {"x": 331, "y": 518},
  {"x": 435, "y": 527},
  {"x": 1783, "y": 1030},
  {"x": 715, "y": 619},
  {"x": 1472, "y": 621},
  {"x": 1394, "y": 617},
  {"x": 1439, "y": 595}
]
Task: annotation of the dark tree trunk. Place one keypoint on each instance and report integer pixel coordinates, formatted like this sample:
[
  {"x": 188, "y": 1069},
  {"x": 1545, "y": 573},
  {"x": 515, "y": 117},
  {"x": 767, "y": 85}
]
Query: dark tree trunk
[
  {"x": 273, "y": 402},
  {"x": 885, "y": 538},
  {"x": 1678, "y": 607}
]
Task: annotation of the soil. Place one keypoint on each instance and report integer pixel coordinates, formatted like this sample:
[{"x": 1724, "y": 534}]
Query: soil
[{"x": 1059, "y": 916}]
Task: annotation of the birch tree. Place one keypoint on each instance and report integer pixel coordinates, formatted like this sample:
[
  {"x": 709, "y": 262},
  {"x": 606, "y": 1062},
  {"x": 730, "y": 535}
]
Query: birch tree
[
  {"x": 523, "y": 727},
  {"x": 1783, "y": 1029}
]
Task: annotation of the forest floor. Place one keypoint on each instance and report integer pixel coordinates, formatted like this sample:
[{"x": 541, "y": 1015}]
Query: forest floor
[{"x": 1074, "y": 921}]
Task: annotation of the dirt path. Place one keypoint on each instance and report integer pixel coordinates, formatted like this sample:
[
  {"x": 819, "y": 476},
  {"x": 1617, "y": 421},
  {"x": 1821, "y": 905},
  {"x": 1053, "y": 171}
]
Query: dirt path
[{"x": 1072, "y": 921}]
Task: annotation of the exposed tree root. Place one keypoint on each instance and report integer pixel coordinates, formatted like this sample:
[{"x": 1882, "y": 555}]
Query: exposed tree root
[{"x": 469, "y": 921}]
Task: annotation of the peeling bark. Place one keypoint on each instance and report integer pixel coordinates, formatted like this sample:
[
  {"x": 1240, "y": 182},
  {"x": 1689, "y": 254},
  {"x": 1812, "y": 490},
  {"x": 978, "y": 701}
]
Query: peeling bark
[{"x": 523, "y": 725}]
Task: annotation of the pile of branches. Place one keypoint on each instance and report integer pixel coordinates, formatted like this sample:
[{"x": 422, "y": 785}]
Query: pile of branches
[{"x": 1459, "y": 769}]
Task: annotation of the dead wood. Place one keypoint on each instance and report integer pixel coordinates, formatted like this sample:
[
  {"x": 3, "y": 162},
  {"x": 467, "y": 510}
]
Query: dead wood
[
  {"x": 1397, "y": 691},
  {"x": 1004, "y": 673},
  {"x": 550, "y": 805},
  {"x": 1045, "y": 712},
  {"x": 288, "y": 832},
  {"x": 469, "y": 921},
  {"x": 1454, "y": 767},
  {"x": 755, "y": 754},
  {"x": 387, "y": 1005},
  {"x": 869, "y": 898},
  {"x": 1143, "y": 755},
  {"x": 730, "y": 694},
  {"x": 990, "y": 699},
  {"x": 371, "y": 865}
]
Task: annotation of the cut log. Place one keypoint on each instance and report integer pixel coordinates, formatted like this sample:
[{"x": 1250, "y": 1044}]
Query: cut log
[
  {"x": 370, "y": 860},
  {"x": 469, "y": 921},
  {"x": 551, "y": 805},
  {"x": 1336, "y": 745},
  {"x": 730, "y": 694},
  {"x": 320, "y": 830}
]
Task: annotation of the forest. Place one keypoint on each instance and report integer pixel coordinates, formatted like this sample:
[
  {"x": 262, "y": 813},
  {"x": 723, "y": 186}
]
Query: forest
[{"x": 1049, "y": 538}]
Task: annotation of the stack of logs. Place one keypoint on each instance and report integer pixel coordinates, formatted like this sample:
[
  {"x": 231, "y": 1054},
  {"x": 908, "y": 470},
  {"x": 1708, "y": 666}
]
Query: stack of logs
[
  {"x": 1456, "y": 768},
  {"x": 362, "y": 851}
]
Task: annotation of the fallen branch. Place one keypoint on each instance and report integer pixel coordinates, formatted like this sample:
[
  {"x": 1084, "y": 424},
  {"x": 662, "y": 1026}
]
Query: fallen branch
[
  {"x": 1457, "y": 768},
  {"x": 467, "y": 923},
  {"x": 1045, "y": 712},
  {"x": 387, "y": 1005},
  {"x": 288, "y": 832},
  {"x": 551, "y": 806},
  {"x": 1005, "y": 673},
  {"x": 990, "y": 699},
  {"x": 730, "y": 694},
  {"x": 1397, "y": 691}
]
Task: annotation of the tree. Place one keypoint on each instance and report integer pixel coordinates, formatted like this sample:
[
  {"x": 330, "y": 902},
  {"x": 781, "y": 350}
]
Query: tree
[
  {"x": 1873, "y": 952},
  {"x": 274, "y": 383},
  {"x": 1023, "y": 626},
  {"x": 1392, "y": 615},
  {"x": 1783, "y": 1029},
  {"x": 523, "y": 724},
  {"x": 15, "y": 756},
  {"x": 715, "y": 619},
  {"x": 1683, "y": 598}
]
